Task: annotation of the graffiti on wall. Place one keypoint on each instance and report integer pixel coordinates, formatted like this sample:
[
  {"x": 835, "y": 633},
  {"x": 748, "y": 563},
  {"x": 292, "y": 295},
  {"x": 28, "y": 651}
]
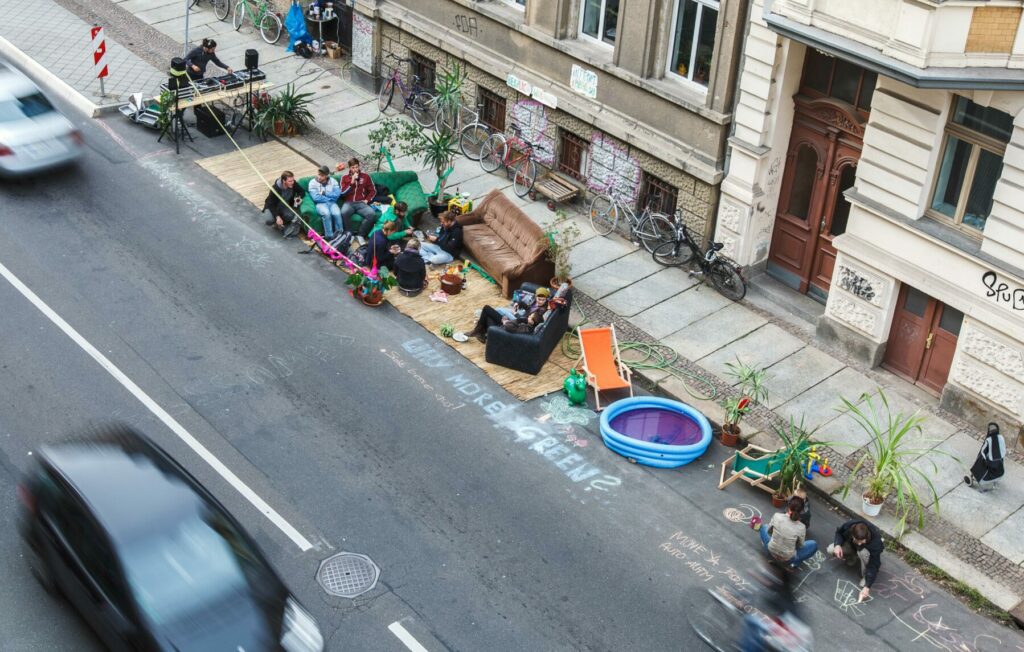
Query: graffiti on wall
[
  {"x": 530, "y": 116},
  {"x": 467, "y": 25},
  {"x": 612, "y": 169},
  {"x": 362, "y": 42}
]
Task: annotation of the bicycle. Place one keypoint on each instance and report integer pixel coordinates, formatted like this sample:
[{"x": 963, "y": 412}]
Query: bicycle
[
  {"x": 263, "y": 17},
  {"x": 473, "y": 135},
  {"x": 497, "y": 152},
  {"x": 420, "y": 102},
  {"x": 221, "y": 8},
  {"x": 682, "y": 248},
  {"x": 649, "y": 228}
]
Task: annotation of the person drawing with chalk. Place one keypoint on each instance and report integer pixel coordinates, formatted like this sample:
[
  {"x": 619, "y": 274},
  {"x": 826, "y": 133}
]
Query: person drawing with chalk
[{"x": 856, "y": 540}]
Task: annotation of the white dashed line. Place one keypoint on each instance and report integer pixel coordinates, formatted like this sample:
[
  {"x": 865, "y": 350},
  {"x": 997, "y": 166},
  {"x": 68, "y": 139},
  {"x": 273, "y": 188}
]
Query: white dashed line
[{"x": 405, "y": 637}]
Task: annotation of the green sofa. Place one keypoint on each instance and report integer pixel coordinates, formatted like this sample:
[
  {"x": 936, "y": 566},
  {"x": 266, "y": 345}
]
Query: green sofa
[{"x": 404, "y": 185}]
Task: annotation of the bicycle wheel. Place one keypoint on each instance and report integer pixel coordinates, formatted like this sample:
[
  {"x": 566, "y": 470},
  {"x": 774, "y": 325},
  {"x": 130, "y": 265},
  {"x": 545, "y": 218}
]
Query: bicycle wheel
[
  {"x": 655, "y": 229},
  {"x": 270, "y": 27},
  {"x": 387, "y": 91},
  {"x": 604, "y": 214},
  {"x": 423, "y": 109},
  {"x": 524, "y": 177},
  {"x": 471, "y": 140},
  {"x": 221, "y": 9},
  {"x": 236, "y": 20},
  {"x": 492, "y": 154},
  {"x": 727, "y": 280},
  {"x": 674, "y": 253},
  {"x": 444, "y": 119}
]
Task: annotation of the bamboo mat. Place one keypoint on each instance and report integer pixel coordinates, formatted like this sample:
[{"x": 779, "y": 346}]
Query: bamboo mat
[
  {"x": 270, "y": 159},
  {"x": 460, "y": 312}
]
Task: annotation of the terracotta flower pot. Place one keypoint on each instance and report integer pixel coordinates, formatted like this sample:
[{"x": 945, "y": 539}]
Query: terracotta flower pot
[
  {"x": 730, "y": 434},
  {"x": 556, "y": 283},
  {"x": 779, "y": 501}
]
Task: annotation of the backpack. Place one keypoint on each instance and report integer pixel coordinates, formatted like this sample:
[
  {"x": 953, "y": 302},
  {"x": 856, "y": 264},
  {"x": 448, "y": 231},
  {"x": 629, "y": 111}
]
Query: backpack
[
  {"x": 360, "y": 255},
  {"x": 341, "y": 242}
]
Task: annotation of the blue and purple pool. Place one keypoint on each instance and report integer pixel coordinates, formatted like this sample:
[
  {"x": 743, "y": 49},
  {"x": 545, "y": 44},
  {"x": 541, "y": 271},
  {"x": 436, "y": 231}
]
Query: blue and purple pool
[{"x": 655, "y": 431}]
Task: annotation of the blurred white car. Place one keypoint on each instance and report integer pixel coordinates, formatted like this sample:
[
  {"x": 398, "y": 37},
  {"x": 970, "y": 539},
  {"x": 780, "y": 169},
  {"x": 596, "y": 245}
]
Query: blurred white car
[{"x": 33, "y": 134}]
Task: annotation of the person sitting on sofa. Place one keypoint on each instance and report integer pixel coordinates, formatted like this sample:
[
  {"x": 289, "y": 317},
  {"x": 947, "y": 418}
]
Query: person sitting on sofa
[
  {"x": 446, "y": 246},
  {"x": 358, "y": 191},
  {"x": 410, "y": 269},
  {"x": 396, "y": 214},
  {"x": 382, "y": 250},
  {"x": 283, "y": 201},
  {"x": 325, "y": 191},
  {"x": 490, "y": 316}
]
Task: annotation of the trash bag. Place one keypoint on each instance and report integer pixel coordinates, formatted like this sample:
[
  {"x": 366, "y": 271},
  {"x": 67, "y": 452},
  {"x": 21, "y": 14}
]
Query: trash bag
[{"x": 295, "y": 23}]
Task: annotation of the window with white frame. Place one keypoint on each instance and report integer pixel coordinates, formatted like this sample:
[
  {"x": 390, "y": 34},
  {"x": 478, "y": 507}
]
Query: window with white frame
[
  {"x": 598, "y": 19},
  {"x": 693, "y": 39},
  {"x": 972, "y": 162}
]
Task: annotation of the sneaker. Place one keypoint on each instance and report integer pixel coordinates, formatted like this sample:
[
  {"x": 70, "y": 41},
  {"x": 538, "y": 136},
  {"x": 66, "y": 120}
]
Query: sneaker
[
  {"x": 755, "y": 523},
  {"x": 360, "y": 240}
]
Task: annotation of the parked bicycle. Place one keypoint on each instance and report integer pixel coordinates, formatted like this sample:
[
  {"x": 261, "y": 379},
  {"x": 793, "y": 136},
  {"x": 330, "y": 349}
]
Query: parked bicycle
[
  {"x": 263, "y": 16},
  {"x": 725, "y": 275},
  {"x": 221, "y": 8},
  {"x": 419, "y": 102},
  {"x": 473, "y": 134},
  {"x": 649, "y": 228},
  {"x": 499, "y": 150}
]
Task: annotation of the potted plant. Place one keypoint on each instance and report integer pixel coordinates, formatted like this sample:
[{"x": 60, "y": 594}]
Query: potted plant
[
  {"x": 393, "y": 134},
  {"x": 448, "y": 99},
  {"x": 735, "y": 409},
  {"x": 749, "y": 380},
  {"x": 559, "y": 242},
  {"x": 796, "y": 450},
  {"x": 286, "y": 114},
  {"x": 165, "y": 105},
  {"x": 892, "y": 460},
  {"x": 439, "y": 152},
  {"x": 369, "y": 286}
]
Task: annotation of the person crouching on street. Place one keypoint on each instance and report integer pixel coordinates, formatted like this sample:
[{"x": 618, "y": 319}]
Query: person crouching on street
[
  {"x": 283, "y": 201},
  {"x": 784, "y": 537},
  {"x": 858, "y": 539}
]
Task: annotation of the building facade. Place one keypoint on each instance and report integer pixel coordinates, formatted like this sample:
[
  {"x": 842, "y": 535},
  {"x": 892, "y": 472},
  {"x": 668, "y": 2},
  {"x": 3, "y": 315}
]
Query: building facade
[
  {"x": 634, "y": 98},
  {"x": 877, "y": 165}
]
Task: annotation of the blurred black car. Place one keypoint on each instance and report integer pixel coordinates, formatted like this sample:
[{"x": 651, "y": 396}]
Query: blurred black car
[{"x": 148, "y": 557}]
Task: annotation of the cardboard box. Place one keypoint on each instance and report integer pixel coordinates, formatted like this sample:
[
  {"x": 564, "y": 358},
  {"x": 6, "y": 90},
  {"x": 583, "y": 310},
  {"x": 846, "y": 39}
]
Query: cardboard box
[{"x": 333, "y": 49}]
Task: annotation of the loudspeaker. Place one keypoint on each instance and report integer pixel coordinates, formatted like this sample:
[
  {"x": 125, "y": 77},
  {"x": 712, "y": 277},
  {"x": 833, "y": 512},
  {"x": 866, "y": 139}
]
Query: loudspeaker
[
  {"x": 178, "y": 64},
  {"x": 205, "y": 122},
  {"x": 252, "y": 59}
]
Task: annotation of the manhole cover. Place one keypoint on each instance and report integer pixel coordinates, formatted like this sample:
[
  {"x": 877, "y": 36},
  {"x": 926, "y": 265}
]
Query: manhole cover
[{"x": 347, "y": 574}]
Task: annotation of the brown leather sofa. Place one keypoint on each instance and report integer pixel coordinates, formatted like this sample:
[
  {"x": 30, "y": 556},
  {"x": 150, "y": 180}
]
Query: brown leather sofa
[{"x": 506, "y": 243}]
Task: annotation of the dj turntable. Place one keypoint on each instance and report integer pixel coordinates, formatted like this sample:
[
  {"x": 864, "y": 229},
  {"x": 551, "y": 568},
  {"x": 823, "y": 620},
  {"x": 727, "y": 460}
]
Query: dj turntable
[{"x": 257, "y": 75}]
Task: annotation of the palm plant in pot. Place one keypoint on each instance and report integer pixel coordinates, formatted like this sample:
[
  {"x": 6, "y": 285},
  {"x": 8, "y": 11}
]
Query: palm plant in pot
[
  {"x": 892, "y": 459},
  {"x": 448, "y": 99},
  {"x": 750, "y": 381},
  {"x": 793, "y": 460},
  {"x": 370, "y": 285},
  {"x": 286, "y": 114},
  {"x": 559, "y": 242},
  {"x": 439, "y": 151}
]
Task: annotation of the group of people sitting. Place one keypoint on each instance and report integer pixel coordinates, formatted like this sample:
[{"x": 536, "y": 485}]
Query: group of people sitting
[{"x": 337, "y": 201}]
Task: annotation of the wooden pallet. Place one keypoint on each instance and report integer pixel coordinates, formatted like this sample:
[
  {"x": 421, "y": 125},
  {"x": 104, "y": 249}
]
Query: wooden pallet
[{"x": 555, "y": 188}]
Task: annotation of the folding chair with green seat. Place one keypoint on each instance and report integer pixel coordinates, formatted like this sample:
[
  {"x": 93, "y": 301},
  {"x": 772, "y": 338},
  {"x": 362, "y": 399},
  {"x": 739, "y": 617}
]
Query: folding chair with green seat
[{"x": 754, "y": 465}]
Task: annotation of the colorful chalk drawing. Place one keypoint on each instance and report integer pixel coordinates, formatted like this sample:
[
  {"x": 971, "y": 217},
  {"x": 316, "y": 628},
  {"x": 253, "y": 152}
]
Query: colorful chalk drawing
[
  {"x": 565, "y": 413},
  {"x": 702, "y": 561},
  {"x": 741, "y": 514},
  {"x": 944, "y": 637},
  {"x": 612, "y": 170},
  {"x": 902, "y": 587},
  {"x": 362, "y": 42},
  {"x": 847, "y": 596},
  {"x": 531, "y": 118},
  {"x": 575, "y": 440}
]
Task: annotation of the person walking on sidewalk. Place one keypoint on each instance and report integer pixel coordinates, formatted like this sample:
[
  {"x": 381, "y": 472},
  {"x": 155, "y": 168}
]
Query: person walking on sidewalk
[
  {"x": 197, "y": 60},
  {"x": 358, "y": 191},
  {"x": 859, "y": 538},
  {"x": 784, "y": 538},
  {"x": 325, "y": 192}
]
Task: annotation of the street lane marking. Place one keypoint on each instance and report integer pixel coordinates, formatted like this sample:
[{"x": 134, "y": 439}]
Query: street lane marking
[
  {"x": 159, "y": 412},
  {"x": 405, "y": 637}
]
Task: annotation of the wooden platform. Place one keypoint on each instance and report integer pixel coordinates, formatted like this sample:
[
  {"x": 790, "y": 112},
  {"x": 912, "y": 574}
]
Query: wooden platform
[
  {"x": 460, "y": 312},
  {"x": 270, "y": 159}
]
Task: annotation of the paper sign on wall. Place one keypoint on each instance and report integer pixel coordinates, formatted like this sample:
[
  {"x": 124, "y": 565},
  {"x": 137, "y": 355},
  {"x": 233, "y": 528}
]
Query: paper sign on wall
[
  {"x": 520, "y": 85},
  {"x": 583, "y": 81},
  {"x": 545, "y": 98}
]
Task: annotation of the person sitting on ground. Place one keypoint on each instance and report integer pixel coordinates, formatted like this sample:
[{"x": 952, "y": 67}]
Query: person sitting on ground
[
  {"x": 283, "y": 201},
  {"x": 358, "y": 191},
  {"x": 410, "y": 269},
  {"x": 381, "y": 250},
  {"x": 446, "y": 246},
  {"x": 396, "y": 213},
  {"x": 325, "y": 192},
  {"x": 197, "y": 60},
  {"x": 863, "y": 539},
  {"x": 805, "y": 516},
  {"x": 490, "y": 316},
  {"x": 784, "y": 538}
]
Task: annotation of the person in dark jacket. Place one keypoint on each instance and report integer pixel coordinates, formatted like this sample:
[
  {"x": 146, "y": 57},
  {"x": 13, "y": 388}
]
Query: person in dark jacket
[
  {"x": 199, "y": 57},
  {"x": 446, "y": 246},
  {"x": 380, "y": 249},
  {"x": 283, "y": 201},
  {"x": 860, "y": 538},
  {"x": 410, "y": 269},
  {"x": 489, "y": 316}
]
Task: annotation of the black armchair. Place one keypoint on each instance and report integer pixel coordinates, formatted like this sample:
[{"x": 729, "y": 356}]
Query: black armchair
[{"x": 527, "y": 352}]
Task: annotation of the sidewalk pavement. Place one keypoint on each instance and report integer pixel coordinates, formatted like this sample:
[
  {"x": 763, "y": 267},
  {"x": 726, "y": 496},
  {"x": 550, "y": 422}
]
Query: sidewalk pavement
[{"x": 977, "y": 538}]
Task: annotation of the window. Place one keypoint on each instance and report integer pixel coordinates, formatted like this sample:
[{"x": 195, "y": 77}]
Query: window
[
  {"x": 827, "y": 76},
  {"x": 693, "y": 39},
  {"x": 425, "y": 69},
  {"x": 492, "y": 110},
  {"x": 572, "y": 156},
  {"x": 659, "y": 194},
  {"x": 972, "y": 161},
  {"x": 598, "y": 20}
]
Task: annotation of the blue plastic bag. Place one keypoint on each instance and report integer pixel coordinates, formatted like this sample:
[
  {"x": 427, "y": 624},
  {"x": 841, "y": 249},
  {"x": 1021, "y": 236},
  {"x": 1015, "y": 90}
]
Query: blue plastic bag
[{"x": 295, "y": 23}]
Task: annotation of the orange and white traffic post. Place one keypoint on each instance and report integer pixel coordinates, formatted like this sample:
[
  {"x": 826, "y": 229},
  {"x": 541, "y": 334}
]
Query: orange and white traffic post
[{"x": 99, "y": 56}]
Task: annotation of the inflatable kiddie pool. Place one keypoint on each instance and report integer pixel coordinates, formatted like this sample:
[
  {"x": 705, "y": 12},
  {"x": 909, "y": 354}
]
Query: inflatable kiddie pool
[{"x": 655, "y": 431}]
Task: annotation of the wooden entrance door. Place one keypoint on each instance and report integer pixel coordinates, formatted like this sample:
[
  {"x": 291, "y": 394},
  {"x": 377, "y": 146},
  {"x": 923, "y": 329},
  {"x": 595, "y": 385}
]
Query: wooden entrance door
[
  {"x": 922, "y": 340},
  {"x": 834, "y": 216}
]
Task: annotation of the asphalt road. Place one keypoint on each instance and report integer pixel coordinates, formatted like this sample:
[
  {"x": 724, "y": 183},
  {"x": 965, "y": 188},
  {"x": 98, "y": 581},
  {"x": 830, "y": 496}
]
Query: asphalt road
[{"x": 496, "y": 525}]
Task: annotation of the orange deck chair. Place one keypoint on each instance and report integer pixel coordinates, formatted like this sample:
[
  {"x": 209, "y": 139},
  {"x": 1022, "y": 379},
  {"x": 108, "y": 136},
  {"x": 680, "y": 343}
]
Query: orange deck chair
[{"x": 602, "y": 362}]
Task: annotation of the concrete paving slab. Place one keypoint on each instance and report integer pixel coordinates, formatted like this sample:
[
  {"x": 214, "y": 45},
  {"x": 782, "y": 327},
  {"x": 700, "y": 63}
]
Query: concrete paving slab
[
  {"x": 480, "y": 185},
  {"x": 797, "y": 373},
  {"x": 1002, "y": 596},
  {"x": 976, "y": 512},
  {"x": 819, "y": 404},
  {"x": 933, "y": 429},
  {"x": 134, "y": 6},
  {"x": 762, "y": 348},
  {"x": 712, "y": 332},
  {"x": 1006, "y": 537},
  {"x": 342, "y": 121},
  {"x": 465, "y": 168},
  {"x": 947, "y": 472},
  {"x": 638, "y": 297},
  {"x": 595, "y": 252},
  {"x": 160, "y": 14},
  {"x": 617, "y": 274},
  {"x": 843, "y": 433}
]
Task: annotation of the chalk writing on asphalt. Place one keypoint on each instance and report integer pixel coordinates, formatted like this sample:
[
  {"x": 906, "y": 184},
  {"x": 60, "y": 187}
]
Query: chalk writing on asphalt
[
  {"x": 933, "y": 631},
  {"x": 741, "y": 514},
  {"x": 847, "y": 596},
  {"x": 907, "y": 587},
  {"x": 702, "y": 561}
]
